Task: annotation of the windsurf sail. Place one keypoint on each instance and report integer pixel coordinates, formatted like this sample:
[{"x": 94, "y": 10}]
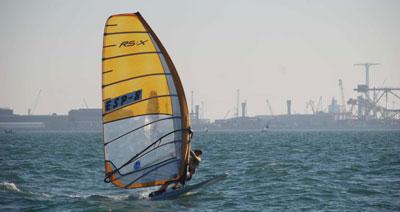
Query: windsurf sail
[{"x": 145, "y": 116}]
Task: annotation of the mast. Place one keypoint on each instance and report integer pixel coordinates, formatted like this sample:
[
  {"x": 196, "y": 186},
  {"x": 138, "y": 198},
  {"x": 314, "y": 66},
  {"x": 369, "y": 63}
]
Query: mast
[
  {"x": 237, "y": 103},
  {"x": 343, "y": 110},
  {"x": 182, "y": 99}
]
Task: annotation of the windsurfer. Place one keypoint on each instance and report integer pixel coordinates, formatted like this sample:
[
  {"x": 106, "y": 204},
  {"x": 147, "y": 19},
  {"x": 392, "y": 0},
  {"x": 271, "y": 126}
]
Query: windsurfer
[{"x": 194, "y": 162}]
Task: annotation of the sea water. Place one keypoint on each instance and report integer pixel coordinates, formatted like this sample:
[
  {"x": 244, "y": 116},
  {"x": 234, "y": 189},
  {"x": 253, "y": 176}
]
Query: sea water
[{"x": 268, "y": 171}]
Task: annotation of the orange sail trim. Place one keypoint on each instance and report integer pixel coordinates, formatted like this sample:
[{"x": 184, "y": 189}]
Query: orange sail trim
[
  {"x": 155, "y": 183},
  {"x": 117, "y": 182},
  {"x": 113, "y": 179}
]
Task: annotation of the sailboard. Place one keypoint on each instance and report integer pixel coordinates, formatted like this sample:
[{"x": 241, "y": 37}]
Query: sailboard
[
  {"x": 171, "y": 193},
  {"x": 146, "y": 127}
]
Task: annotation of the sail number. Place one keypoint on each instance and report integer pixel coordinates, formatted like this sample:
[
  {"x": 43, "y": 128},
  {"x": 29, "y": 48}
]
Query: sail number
[
  {"x": 123, "y": 100},
  {"x": 129, "y": 43}
]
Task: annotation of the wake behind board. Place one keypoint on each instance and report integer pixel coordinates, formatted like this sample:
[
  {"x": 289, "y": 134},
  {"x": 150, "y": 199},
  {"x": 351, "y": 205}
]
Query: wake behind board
[{"x": 171, "y": 194}]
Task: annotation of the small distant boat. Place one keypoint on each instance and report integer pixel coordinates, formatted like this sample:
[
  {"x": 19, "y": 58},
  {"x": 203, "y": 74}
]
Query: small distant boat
[
  {"x": 9, "y": 131},
  {"x": 266, "y": 127}
]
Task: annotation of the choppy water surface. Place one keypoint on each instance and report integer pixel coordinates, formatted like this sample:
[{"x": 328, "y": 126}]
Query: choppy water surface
[{"x": 277, "y": 170}]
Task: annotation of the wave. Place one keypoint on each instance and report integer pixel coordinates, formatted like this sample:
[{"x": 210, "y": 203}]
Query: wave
[
  {"x": 115, "y": 197},
  {"x": 9, "y": 187},
  {"x": 141, "y": 195},
  {"x": 138, "y": 195}
]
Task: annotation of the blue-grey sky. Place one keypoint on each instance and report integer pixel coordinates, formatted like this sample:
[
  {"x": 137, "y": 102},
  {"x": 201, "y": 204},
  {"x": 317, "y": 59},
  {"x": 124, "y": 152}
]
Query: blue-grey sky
[{"x": 268, "y": 49}]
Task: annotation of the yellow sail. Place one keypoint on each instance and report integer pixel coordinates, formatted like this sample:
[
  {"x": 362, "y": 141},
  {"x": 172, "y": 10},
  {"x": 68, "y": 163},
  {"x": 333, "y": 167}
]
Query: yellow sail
[{"x": 145, "y": 115}]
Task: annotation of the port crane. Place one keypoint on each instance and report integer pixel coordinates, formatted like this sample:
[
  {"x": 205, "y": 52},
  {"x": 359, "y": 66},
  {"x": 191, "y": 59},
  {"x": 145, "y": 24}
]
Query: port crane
[
  {"x": 32, "y": 109},
  {"x": 319, "y": 106},
  {"x": 311, "y": 104},
  {"x": 86, "y": 105},
  {"x": 227, "y": 113},
  {"x": 367, "y": 65},
  {"x": 366, "y": 104},
  {"x": 343, "y": 110},
  {"x": 270, "y": 108}
]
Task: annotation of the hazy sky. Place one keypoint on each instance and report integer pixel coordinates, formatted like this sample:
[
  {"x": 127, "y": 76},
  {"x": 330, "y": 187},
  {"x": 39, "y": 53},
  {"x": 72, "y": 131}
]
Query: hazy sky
[{"x": 268, "y": 49}]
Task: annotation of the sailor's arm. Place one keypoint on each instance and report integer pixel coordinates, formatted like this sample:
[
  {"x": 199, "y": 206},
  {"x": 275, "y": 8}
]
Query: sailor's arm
[{"x": 195, "y": 156}]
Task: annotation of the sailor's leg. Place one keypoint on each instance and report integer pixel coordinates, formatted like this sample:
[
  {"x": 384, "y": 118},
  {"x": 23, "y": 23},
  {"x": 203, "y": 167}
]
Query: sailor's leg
[{"x": 161, "y": 190}]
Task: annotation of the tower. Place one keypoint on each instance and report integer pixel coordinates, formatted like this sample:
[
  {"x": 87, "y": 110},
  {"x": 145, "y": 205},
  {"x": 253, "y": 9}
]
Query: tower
[
  {"x": 289, "y": 106},
  {"x": 367, "y": 65}
]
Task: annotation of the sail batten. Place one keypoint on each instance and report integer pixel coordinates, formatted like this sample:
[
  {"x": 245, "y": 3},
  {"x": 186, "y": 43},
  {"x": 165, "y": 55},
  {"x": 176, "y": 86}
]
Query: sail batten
[
  {"x": 172, "y": 117},
  {"x": 145, "y": 116},
  {"x": 127, "y": 32},
  {"x": 129, "y": 55},
  {"x": 136, "y": 77}
]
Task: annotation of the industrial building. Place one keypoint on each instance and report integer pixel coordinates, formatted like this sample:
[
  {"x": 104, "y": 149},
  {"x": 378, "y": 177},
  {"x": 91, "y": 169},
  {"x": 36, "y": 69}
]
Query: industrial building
[
  {"x": 76, "y": 120},
  {"x": 368, "y": 110}
]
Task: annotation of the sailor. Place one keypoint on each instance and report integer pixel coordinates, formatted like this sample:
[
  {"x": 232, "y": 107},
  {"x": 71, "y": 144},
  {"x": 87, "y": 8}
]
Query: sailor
[{"x": 194, "y": 162}]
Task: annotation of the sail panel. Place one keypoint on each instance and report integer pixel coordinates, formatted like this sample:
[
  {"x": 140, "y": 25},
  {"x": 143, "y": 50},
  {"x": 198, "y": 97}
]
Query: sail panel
[
  {"x": 154, "y": 91},
  {"x": 128, "y": 67},
  {"x": 145, "y": 121},
  {"x": 153, "y": 131},
  {"x": 119, "y": 45},
  {"x": 117, "y": 129},
  {"x": 149, "y": 145},
  {"x": 151, "y": 85},
  {"x": 141, "y": 108},
  {"x": 123, "y": 23}
]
